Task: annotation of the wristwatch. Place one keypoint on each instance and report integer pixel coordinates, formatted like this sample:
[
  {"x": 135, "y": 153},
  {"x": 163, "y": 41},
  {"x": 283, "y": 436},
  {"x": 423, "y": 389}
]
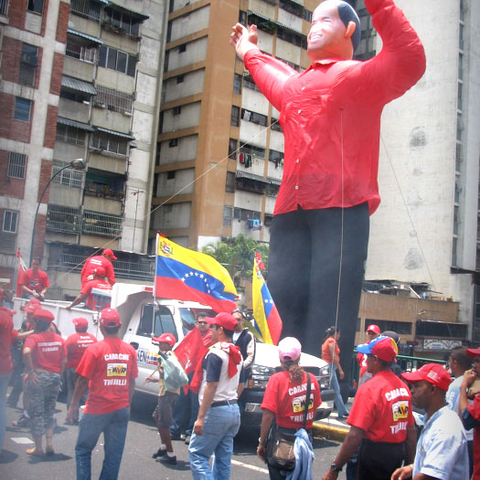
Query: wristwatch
[
  {"x": 260, "y": 441},
  {"x": 334, "y": 468}
]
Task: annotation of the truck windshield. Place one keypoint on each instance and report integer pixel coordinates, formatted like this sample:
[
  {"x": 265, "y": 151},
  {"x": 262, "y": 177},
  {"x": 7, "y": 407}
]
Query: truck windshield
[{"x": 151, "y": 326}]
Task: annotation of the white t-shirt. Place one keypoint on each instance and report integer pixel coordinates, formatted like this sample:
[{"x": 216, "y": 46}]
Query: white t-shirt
[
  {"x": 453, "y": 399},
  {"x": 442, "y": 447}
]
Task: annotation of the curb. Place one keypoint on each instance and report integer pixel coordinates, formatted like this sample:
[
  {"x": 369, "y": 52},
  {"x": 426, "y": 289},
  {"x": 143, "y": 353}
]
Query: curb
[{"x": 330, "y": 432}]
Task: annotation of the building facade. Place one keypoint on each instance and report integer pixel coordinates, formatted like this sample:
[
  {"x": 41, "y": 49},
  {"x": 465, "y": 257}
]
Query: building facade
[{"x": 80, "y": 79}]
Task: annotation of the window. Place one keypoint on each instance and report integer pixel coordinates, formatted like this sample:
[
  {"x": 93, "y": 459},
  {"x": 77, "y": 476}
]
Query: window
[
  {"x": 237, "y": 83},
  {"x": 235, "y": 116},
  {"x": 28, "y": 65},
  {"x": 292, "y": 7},
  {"x": 182, "y": 48},
  {"x": 291, "y": 37},
  {"x": 253, "y": 150},
  {"x": 35, "y": 6},
  {"x": 227, "y": 215},
  {"x": 114, "y": 100},
  {"x": 275, "y": 157},
  {"x": 122, "y": 21},
  {"x": 275, "y": 125},
  {"x": 254, "y": 117},
  {"x": 64, "y": 219},
  {"x": 86, "y": 8},
  {"x": 173, "y": 142},
  {"x": 101, "y": 224},
  {"x": 109, "y": 143},
  {"x": 67, "y": 178},
  {"x": 10, "y": 219},
  {"x": 22, "y": 109},
  {"x": 171, "y": 175},
  {"x": 75, "y": 49},
  {"x": 230, "y": 183},
  {"x": 177, "y": 110},
  {"x": 72, "y": 135},
  {"x": 16, "y": 165},
  {"x": 180, "y": 79},
  {"x": 249, "y": 83},
  {"x": 117, "y": 60},
  {"x": 232, "y": 148}
]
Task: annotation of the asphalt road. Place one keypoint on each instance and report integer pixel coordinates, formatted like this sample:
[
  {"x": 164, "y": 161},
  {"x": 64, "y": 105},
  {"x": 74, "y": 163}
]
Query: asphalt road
[{"x": 142, "y": 441}]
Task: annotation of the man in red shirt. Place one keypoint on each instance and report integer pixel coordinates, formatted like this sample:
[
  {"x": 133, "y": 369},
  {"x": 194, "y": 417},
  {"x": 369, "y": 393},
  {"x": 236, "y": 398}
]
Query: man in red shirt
[
  {"x": 381, "y": 419},
  {"x": 34, "y": 281},
  {"x": 330, "y": 117},
  {"x": 92, "y": 263},
  {"x": 373, "y": 331},
  {"x": 108, "y": 369},
  {"x": 86, "y": 291},
  {"x": 76, "y": 345}
]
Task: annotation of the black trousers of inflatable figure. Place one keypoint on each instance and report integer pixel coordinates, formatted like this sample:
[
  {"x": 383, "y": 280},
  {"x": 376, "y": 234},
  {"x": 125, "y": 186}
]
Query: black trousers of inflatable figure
[{"x": 303, "y": 274}]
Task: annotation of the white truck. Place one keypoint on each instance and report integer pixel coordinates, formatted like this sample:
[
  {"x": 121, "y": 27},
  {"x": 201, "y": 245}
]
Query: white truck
[{"x": 144, "y": 317}]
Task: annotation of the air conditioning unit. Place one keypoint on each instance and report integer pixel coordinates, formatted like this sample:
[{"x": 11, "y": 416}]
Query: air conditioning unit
[{"x": 29, "y": 59}]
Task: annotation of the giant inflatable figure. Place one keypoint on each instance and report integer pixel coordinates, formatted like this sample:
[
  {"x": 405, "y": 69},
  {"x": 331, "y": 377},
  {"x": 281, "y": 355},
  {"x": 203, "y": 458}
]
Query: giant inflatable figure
[{"x": 330, "y": 117}]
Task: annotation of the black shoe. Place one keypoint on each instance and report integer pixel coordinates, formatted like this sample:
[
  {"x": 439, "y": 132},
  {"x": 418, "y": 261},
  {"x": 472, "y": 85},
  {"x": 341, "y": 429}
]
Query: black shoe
[
  {"x": 175, "y": 436},
  {"x": 187, "y": 439},
  {"x": 21, "y": 422},
  {"x": 167, "y": 460},
  {"x": 159, "y": 453}
]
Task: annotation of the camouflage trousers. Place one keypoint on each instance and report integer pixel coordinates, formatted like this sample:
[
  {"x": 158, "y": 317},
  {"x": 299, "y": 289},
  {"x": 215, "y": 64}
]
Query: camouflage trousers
[{"x": 42, "y": 398}]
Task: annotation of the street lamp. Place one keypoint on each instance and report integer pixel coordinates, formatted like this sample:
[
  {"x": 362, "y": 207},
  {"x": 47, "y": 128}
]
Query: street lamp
[{"x": 77, "y": 164}]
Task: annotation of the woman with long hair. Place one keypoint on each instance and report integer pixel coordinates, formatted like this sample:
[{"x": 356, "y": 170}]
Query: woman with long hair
[
  {"x": 331, "y": 354},
  {"x": 44, "y": 355},
  {"x": 284, "y": 401}
]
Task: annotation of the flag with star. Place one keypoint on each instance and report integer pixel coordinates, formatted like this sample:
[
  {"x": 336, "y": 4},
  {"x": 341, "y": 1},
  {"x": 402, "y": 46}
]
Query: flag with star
[
  {"x": 267, "y": 319},
  {"x": 184, "y": 274}
]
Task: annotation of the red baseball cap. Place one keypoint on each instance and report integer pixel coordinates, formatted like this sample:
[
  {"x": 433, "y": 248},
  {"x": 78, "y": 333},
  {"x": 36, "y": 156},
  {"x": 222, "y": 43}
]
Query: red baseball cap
[
  {"x": 225, "y": 320},
  {"x": 382, "y": 347},
  {"x": 165, "y": 338},
  {"x": 80, "y": 322},
  {"x": 109, "y": 318},
  {"x": 473, "y": 352},
  {"x": 374, "y": 328},
  {"x": 43, "y": 315},
  {"x": 110, "y": 253},
  {"x": 433, "y": 373}
]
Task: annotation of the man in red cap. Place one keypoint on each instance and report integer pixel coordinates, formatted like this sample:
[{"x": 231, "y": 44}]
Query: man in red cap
[
  {"x": 373, "y": 331},
  {"x": 470, "y": 414},
  {"x": 34, "y": 282},
  {"x": 7, "y": 337},
  {"x": 167, "y": 395},
  {"x": 108, "y": 369},
  {"x": 86, "y": 291},
  {"x": 76, "y": 345},
  {"x": 442, "y": 447},
  {"x": 222, "y": 384},
  {"x": 104, "y": 260},
  {"x": 381, "y": 419}
]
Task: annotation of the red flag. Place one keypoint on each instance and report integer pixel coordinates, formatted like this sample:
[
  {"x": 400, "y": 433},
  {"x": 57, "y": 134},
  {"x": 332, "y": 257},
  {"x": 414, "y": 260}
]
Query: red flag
[
  {"x": 259, "y": 261},
  {"x": 190, "y": 352},
  {"x": 21, "y": 268}
]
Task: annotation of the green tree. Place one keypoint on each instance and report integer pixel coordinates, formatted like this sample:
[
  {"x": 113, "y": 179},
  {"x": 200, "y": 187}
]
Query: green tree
[{"x": 236, "y": 254}]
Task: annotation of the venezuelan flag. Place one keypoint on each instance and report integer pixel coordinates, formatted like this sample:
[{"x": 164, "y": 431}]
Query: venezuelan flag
[
  {"x": 184, "y": 274},
  {"x": 267, "y": 318}
]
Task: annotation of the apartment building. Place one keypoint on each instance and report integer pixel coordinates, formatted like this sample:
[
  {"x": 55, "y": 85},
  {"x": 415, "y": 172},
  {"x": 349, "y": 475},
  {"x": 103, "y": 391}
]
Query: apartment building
[
  {"x": 220, "y": 147},
  {"x": 80, "y": 80}
]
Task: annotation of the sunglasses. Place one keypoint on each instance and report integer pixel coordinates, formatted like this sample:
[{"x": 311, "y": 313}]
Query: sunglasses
[{"x": 201, "y": 323}]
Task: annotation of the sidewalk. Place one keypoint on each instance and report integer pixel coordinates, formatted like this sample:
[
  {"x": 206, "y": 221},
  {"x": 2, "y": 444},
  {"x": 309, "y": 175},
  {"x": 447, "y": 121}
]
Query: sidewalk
[{"x": 333, "y": 428}]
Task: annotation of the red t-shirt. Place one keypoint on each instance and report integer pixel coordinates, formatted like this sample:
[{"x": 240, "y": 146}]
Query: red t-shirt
[
  {"x": 326, "y": 350},
  {"x": 286, "y": 399},
  {"x": 76, "y": 345},
  {"x": 7, "y": 337},
  {"x": 97, "y": 261},
  {"x": 37, "y": 282},
  {"x": 110, "y": 365},
  {"x": 87, "y": 290},
  {"x": 48, "y": 350},
  {"x": 474, "y": 410},
  {"x": 382, "y": 408}
]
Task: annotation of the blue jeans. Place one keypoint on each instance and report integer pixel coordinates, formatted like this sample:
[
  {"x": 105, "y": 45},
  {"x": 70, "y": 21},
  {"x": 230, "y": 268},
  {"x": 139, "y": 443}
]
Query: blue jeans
[
  {"x": 185, "y": 413},
  {"x": 3, "y": 407},
  {"x": 221, "y": 426},
  {"x": 342, "y": 410},
  {"x": 114, "y": 428}
]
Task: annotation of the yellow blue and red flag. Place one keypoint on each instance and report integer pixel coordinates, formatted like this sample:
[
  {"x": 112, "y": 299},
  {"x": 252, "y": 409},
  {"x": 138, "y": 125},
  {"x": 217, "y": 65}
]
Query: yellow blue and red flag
[
  {"x": 267, "y": 319},
  {"x": 184, "y": 274}
]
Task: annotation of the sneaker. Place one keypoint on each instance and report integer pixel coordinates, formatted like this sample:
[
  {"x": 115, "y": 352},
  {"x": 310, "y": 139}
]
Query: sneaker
[
  {"x": 175, "y": 436},
  {"x": 159, "y": 453},
  {"x": 183, "y": 436},
  {"x": 21, "y": 422},
  {"x": 167, "y": 460},
  {"x": 187, "y": 440}
]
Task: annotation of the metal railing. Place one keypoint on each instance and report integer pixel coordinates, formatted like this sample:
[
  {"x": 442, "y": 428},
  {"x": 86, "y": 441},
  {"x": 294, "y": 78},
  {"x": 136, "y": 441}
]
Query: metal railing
[{"x": 101, "y": 224}]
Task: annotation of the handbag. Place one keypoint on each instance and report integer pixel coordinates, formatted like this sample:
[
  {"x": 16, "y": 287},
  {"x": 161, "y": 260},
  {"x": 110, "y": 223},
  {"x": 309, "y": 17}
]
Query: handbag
[{"x": 280, "y": 453}]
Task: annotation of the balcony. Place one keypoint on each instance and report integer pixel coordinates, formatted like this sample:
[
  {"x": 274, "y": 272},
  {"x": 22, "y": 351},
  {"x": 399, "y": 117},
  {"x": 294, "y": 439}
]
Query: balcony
[
  {"x": 95, "y": 223},
  {"x": 61, "y": 219}
]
